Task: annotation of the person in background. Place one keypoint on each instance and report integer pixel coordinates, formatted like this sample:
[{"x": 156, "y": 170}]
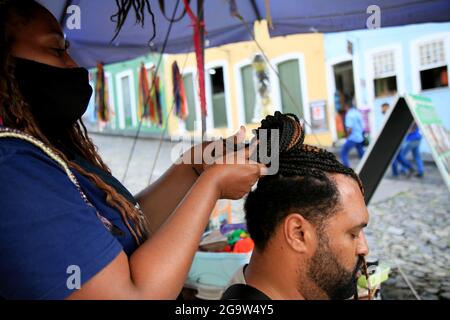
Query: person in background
[
  {"x": 384, "y": 108},
  {"x": 354, "y": 125},
  {"x": 410, "y": 143}
]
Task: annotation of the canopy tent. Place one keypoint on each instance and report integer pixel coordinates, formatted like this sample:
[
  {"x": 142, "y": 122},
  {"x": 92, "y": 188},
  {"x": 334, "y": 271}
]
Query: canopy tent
[
  {"x": 92, "y": 42},
  {"x": 299, "y": 16}
]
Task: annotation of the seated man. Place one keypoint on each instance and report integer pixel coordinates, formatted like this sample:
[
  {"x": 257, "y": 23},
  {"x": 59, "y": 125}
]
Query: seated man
[{"x": 307, "y": 224}]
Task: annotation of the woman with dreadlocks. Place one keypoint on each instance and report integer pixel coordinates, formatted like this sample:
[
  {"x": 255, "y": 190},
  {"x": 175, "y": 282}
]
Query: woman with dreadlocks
[
  {"x": 306, "y": 221},
  {"x": 66, "y": 222}
]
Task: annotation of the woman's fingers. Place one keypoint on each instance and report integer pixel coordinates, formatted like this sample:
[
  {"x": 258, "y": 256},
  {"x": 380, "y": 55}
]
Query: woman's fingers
[
  {"x": 240, "y": 135},
  {"x": 263, "y": 170},
  {"x": 252, "y": 148},
  {"x": 236, "y": 138},
  {"x": 236, "y": 179},
  {"x": 242, "y": 156}
]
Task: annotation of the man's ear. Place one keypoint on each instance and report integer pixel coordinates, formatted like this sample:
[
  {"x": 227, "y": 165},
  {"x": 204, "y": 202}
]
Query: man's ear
[{"x": 299, "y": 233}]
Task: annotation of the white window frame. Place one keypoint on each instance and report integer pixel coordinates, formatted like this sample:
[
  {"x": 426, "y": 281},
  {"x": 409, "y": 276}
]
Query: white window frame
[
  {"x": 93, "y": 98},
  {"x": 385, "y": 74},
  {"x": 370, "y": 78},
  {"x": 126, "y": 73},
  {"x": 226, "y": 82},
  {"x": 109, "y": 80},
  {"x": 198, "y": 116},
  {"x": 415, "y": 57},
  {"x": 240, "y": 89},
  {"x": 304, "y": 86}
]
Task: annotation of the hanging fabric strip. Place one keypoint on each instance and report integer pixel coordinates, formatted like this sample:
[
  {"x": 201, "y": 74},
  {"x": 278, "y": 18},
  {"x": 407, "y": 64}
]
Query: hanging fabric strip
[
  {"x": 152, "y": 98},
  {"x": 179, "y": 93},
  {"x": 176, "y": 89},
  {"x": 143, "y": 94},
  {"x": 158, "y": 98},
  {"x": 184, "y": 107},
  {"x": 101, "y": 95},
  {"x": 198, "y": 26}
]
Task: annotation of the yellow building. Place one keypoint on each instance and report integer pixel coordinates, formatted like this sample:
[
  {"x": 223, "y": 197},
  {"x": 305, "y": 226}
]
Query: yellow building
[{"x": 297, "y": 84}]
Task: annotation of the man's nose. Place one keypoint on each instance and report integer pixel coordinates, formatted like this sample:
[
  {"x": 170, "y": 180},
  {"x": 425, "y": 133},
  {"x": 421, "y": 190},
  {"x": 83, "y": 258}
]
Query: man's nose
[{"x": 363, "y": 248}]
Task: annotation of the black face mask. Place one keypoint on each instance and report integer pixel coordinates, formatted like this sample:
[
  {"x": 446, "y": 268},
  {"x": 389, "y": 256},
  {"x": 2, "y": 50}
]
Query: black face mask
[{"x": 58, "y": 97}]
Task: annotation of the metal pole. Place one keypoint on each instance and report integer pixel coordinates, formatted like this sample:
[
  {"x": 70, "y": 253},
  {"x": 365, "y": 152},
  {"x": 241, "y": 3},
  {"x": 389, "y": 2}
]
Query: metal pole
[{"x": 200, "y": 17}]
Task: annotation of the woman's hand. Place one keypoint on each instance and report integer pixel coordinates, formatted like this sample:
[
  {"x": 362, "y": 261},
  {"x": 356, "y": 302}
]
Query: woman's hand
[
  {"x": 217, "y": 149},
  {"x": 234, "y": 174}
]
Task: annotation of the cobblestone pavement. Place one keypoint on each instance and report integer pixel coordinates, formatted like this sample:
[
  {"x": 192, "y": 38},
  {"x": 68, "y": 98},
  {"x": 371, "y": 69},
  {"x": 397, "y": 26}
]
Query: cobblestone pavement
[
  {"x": 409, "y": 226},
  {"x": 410, "y": 231}
]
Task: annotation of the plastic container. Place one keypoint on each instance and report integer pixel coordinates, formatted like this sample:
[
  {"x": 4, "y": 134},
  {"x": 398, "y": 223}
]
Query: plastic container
[
  {"x": 216, "y": 268},
  {"x": 381, "y": 275}
]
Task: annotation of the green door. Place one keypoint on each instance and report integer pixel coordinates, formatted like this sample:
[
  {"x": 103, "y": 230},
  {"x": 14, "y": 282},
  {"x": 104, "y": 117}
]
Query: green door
[
  {"x": 218, "y": 97},
  {"x": 188, "y": 81},
  {"x": 248, "y": 92},
  {"x": 290, "y": 87},
  {"x": 126, "y": 101}
]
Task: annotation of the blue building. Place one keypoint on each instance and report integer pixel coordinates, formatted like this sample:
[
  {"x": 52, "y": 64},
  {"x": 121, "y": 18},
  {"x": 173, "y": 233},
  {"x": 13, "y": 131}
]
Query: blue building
[{"x": 375, "y": 66}]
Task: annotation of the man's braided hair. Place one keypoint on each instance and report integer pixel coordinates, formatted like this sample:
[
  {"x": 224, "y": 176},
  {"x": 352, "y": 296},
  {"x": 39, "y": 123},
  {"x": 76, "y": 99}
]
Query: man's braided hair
[{"x": 302, "y": 184}]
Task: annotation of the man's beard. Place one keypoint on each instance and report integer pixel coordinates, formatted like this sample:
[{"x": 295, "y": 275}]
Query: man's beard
[{"x": 331, "y": 276}]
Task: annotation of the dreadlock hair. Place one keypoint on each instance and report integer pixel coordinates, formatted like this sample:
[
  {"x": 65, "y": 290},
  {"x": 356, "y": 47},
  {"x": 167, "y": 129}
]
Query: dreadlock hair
[
  {"x": 302, "y": 184},
  {"x": 123, "y": 10},
  {"x": 16, "y": 114}
]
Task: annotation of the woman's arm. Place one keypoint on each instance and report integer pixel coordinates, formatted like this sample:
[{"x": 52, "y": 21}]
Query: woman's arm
[
  {"x": 158, "y": 268},
  {"x": 176, "y": 181}
]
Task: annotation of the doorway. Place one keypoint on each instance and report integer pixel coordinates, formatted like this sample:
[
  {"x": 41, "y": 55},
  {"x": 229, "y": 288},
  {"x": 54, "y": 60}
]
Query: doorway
[{"x": 344, "y": 93}]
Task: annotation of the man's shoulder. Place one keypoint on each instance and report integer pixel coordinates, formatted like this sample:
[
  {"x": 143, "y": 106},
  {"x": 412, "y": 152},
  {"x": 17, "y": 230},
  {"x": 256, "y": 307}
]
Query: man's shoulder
[{"x": 240, "y": 291}]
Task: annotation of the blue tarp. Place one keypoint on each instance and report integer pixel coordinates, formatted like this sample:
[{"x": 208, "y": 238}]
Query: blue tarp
[
  {"x": 301, "y": 16},
  {"x": 92, "y": 42}
]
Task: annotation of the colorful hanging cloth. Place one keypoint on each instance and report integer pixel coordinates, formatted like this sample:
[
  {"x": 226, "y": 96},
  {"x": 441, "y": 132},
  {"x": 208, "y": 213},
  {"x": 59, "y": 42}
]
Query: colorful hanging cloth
[
  {"x": 149, "y": 96},
  {"x": 179, "y": 94},
  {"x": 155, "y": 93},
  {"x": 143, "y": 94},
  {"x": 101, "y": 96}
]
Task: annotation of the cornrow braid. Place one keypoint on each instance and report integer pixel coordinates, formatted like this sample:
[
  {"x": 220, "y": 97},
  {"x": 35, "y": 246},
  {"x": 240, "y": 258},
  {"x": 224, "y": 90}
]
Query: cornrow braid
[
  {"x": 297, "y": 158},
  {"x": 303, "y": 182}
]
